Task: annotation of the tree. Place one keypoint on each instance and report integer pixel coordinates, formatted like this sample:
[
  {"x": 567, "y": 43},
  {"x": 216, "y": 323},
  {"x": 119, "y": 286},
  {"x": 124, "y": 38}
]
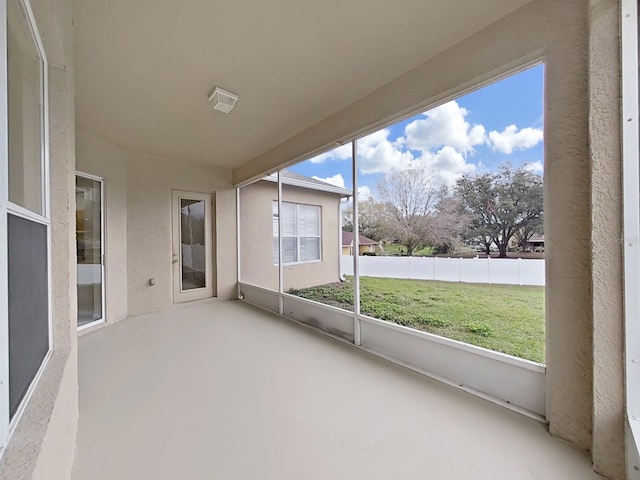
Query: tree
[
  {"x": 447, "y": 224},
  {"x": 523, "y": 235},
  {"x": 416, "y": 210},
  {"x": 500, "y": 204},
  {"x": 370, "y": 219}
]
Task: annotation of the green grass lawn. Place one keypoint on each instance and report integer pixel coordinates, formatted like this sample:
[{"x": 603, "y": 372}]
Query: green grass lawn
[{"x": 505, "y": 318}]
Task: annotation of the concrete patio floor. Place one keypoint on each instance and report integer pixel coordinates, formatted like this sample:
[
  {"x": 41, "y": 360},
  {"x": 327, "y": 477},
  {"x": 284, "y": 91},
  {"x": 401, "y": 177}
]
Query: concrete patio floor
[{"x": 223, "y": 390}]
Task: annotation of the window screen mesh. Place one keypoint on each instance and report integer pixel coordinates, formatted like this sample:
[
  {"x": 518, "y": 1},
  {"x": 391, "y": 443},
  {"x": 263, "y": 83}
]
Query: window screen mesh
[{"x": 28, "y": 304}]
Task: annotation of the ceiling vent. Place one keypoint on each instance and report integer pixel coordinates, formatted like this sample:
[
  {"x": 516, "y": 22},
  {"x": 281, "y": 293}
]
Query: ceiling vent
[{"x": 222, "y": 100}]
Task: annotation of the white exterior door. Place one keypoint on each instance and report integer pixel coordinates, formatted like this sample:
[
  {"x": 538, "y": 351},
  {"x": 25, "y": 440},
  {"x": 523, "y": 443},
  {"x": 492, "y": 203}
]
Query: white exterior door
[{"x": 192, "y": 251}]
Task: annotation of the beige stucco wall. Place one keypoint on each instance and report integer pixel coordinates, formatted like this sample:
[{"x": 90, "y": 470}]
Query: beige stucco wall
[
  {"x": 256, "y": 236},
  {"x": 366, "y": 249},
  {"x": 139, "y": 223},
  {"x": 225, "y": 238},
  {"x": 150, "y": 180},
  {"x": 582, "y": 196},
  {"x": 43, "y": 443}
]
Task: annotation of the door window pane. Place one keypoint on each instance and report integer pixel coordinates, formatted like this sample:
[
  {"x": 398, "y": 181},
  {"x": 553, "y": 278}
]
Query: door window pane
[
  {"x": 89, "y": 249},
  {"x": 25, "y": 102},
  {"x": 192, "y": 240}
]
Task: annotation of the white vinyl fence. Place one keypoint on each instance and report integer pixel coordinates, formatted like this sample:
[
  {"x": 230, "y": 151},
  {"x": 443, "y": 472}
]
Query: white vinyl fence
[{"x": 508, "y": 271}]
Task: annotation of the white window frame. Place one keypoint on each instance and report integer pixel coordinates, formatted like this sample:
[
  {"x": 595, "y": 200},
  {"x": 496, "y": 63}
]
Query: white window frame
[
  {"x": 103, "y": 237},
  {"x": 7, "y": 425},
  {"x": 275, "y": 214}
]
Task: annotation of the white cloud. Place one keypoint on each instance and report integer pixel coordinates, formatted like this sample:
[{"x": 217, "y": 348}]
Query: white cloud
[
  {"x": 444, "y": 125},
  {"x": 510, "y": 139},
  {"x": 444, "y": 139},
  {"x": 336, "y": 180},
  {"x": 364, "y": 194},
  {"x": 341, "y": 153},
  {"x": 376, "y": 154},
  {"x": 399, "y": 142},
  {"x": 447, "y": 164},
  {"x": 536, "y": 167}
]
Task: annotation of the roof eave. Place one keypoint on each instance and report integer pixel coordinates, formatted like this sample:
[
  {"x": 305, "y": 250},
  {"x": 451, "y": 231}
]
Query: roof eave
[{"x": 343, "y": 192}]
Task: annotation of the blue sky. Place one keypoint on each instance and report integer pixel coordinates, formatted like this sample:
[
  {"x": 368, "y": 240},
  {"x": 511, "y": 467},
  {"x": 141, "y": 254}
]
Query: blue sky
[{"x": 475, "y": 133}]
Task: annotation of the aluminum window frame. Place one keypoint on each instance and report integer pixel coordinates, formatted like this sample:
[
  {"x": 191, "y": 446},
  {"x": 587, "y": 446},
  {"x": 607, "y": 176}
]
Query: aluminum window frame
[
  {"x": 8, "y": 424},
  {"x": 103, "y": 237}
]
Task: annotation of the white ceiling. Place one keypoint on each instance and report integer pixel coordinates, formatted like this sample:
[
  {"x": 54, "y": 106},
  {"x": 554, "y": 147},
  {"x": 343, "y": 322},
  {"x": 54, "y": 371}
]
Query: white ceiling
[{"x": 144, "y": 68}]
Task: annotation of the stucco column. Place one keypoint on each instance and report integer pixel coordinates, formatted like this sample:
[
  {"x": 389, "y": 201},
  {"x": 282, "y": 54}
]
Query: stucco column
[
  {"x": 606, "y": 234},
  {"x": 225, "y": 240},
  {"x": 567, "y": 179}
]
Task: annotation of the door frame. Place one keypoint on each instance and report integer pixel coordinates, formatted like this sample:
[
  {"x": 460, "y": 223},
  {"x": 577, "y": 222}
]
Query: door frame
[
  {"x": 180, "y": 295},
  {"x": 103, "y": 250}
]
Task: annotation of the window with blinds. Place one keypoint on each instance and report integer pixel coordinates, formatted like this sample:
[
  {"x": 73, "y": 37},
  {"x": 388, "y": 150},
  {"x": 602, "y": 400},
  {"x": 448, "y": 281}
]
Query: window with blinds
[{"x": 301, "y": 231}]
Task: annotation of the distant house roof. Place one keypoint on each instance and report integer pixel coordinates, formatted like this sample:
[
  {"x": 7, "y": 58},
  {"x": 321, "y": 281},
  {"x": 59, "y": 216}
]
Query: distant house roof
[
  {"x": 536, "y": 238},
  {"x": 297, "y": 180},
  {"x": 347, "y": 239}
]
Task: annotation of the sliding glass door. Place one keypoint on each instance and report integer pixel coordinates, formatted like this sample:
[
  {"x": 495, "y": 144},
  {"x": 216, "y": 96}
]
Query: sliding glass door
[{"x": 89, "y": 249}]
